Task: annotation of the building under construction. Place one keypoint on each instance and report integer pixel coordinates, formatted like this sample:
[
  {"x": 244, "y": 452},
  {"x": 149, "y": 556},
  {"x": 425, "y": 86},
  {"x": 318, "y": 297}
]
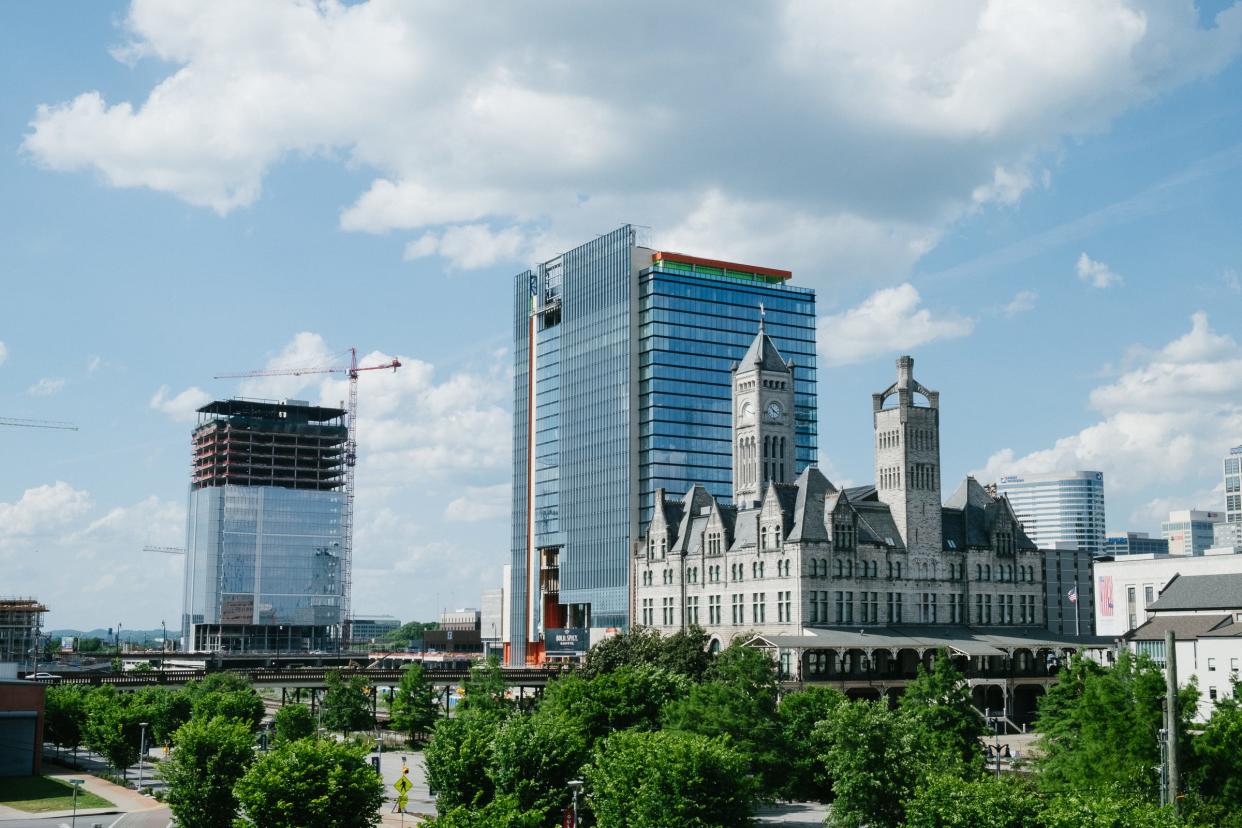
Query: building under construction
[
  {"x": 19, "y": 628},
  {"x": 267, "y": 553}
]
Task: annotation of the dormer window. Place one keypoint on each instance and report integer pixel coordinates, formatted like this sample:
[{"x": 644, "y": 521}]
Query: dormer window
[
  {"x": 843, "y": 535},
  {"x": 1004, "y": 543}
]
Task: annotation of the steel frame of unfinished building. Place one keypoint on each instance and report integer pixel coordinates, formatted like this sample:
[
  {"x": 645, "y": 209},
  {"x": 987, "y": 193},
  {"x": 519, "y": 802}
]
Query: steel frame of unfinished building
[
  {"x": 19, "y": 628},
  {"x": 266, "y": 555}
]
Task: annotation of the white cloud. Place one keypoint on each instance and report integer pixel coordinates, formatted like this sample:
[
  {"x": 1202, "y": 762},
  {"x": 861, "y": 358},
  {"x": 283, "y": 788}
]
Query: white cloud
[
  {"x": 1096, "y": 274},
  {"x": 92, "y": 363},
  {"x": 1229, "y": 276},
  {"x": 46, "y": 387},
  {"x": 480, "y": 503},
  {"x": 1164, "y": 421},
  {"x": 888, "y": 321},
  {"x": 4, "y": 353},
  {"x": 43, "y": 508},
  {"x": 880, "y": 117},
  {"x": 470, "y": 246},
  {"x": 1023, "y": 301},
  {"x": 304, "y": 359},
  {"x": 95, "y": 555},
  {"x": 181, "y": 407}
]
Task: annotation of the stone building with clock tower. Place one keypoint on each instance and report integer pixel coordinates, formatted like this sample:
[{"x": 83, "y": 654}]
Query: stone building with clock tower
[
  {"x": 857, "y": 585},
  {"x": 763, "y": 420}
]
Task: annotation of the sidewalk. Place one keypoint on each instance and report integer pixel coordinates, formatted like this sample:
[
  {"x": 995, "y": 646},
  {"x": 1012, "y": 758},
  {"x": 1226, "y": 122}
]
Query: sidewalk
[{"x": 124, "y": 800}]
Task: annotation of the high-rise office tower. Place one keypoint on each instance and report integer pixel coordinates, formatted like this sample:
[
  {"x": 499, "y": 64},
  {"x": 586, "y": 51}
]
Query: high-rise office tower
[
  {"x": 1190, "y": 531},
  {"x": 1233, "y": 485},
  {"x": 265, "y": 565},
  {"x": 1059, "y": 507},
  {"x": 623, "y": 360}
]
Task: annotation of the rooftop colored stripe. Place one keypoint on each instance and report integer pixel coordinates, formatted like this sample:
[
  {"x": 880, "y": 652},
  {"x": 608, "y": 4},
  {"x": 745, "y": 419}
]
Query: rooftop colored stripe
[{"x": 682, "y": 258}]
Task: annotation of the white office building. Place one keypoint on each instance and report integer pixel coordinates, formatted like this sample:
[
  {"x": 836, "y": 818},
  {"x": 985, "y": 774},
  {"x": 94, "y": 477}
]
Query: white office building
[
  {"x": 1233, "y": 485},
  {"x": 1059, "y": 507},
  {"x": 1189, "y": 531},
  {"x": 1125, "y": 588}
]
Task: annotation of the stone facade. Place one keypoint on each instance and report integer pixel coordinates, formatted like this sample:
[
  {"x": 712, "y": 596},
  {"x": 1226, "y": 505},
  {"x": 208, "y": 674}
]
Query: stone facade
[{"x": 789, "y": 557}]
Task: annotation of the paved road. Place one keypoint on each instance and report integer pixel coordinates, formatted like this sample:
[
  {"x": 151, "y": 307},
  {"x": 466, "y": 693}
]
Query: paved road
[{"x": 159, "y": 818}]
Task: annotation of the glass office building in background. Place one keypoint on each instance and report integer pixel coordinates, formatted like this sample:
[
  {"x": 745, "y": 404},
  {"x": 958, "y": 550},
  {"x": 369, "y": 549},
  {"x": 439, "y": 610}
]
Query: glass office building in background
[
  {"x": 622, "y": 360},
  {"x": 1059, "y": 507},
  {"x": 1233, "y": 485},
  {"x": 265, "y": 569}
]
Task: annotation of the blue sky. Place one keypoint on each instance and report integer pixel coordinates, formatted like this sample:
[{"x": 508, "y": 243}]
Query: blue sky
[{"x": 1040, "y": 203}]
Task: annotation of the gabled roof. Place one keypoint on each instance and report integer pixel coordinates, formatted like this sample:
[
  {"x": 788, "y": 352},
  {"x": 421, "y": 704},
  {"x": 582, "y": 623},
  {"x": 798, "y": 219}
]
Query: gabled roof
[
  {"x": 979, "y": 514},
  {"x": 808, "y": 510},
  {"x": 858, "y": 493},
  {"x": 876, "y": 525},
  {"x": 1186, "y": 627},
  {"x": 1201, "y": 592},
  {"x": 764, "y": 354}
]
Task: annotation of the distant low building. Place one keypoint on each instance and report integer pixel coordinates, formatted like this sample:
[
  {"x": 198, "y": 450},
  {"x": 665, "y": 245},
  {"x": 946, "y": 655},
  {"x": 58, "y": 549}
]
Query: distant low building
[
  {"x": 1226, "y": 537},
  {"x": 1189, "y": 531},
  {"x": 1134, "y": 543},
  {"x": 364, "y": 629},
  {"x": 1204, "y": 613}
]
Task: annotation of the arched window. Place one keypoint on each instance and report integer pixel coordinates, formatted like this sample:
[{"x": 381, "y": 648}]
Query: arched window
[
  {"x": 839, "y": 568},
  {"x": 978, "y": 572}
]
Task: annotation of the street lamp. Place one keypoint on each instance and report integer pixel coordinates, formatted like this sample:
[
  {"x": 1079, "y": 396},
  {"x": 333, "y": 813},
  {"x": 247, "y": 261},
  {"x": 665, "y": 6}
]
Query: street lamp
[
  {"x": 575, "y": 785},
  {"x": 142, "y": 752},
  {"x": 163, "y": 644}
]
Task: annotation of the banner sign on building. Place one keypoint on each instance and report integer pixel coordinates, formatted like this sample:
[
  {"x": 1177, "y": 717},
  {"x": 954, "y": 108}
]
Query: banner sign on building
[
  {"x": 1106, "y": 596},
  {"x": 566, "y": 641}
]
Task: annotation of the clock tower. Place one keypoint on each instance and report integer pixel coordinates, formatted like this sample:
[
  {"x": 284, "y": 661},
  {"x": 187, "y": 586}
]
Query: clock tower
[{"x": 763, "y": 420}]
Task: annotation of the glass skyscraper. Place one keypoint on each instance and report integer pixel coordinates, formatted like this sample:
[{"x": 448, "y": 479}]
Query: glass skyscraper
[
  {"x": 1059, "y": 507},
  {"x": 1233, "y": 485},
  {"x": 622, "y": 358},
  {"x": 265, "y": 568}
]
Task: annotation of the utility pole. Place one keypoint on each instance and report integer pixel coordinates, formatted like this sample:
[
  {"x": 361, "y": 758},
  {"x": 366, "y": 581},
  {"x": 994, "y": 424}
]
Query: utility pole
[{"x": 1170, "y": 661}]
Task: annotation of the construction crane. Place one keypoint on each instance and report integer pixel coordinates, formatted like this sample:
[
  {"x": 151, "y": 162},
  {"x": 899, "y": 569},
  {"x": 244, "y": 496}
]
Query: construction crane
[
  {"x": 167, "y": 550},
  {"x": 351, "y": 445},
  {"x": 14, "y": 421}
]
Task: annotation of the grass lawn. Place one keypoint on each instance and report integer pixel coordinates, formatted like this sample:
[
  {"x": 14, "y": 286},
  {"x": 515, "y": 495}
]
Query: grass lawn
[{"x": 36, "y": 794}]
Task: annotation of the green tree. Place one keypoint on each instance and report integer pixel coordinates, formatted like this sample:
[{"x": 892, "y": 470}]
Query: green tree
[
  {"x": 1099, "y": 726},
  {"x": 209, "y": 758},
  {"x": 738, "y": 702},
  {"x": 534, "y": 757},
  {"x": 167, "y": 709},
  {"x": 685, "y": 653},
  {"x": 89, "y": 645},
  {"x": 241, "y": 705},
  {"x": 1216, "y": 756},
  {"x": 294, "y": 721},
  {"x": 346, "y": 706},
  {"x": 665, "y": 778},
  {"x": 501, "y": 812},
  {"x": 1107, "y": 807},
  {"x": 64, "y": 716},
  {"x": 458, "y": 759},
  {"x": 413, "y": 707},
  {"x": 946, "y": 801},
  {"x": 406, "y": 633},
  {"x": 486, "y": 691},
  {"x": 798, "y": 714},
  {"x": 311, "y": 783},
  {"x": 629, "y": 697},
  {"x": 938, "y": 703},
  {"x": 640, "y": 646},
  {"x": 872, "y": 755},
  {"x": 113, "y": 727}
]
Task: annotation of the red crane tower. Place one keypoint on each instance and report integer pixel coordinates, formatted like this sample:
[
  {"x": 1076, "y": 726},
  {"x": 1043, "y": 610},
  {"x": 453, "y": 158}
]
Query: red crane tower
[{"x": 351, "y": 448}]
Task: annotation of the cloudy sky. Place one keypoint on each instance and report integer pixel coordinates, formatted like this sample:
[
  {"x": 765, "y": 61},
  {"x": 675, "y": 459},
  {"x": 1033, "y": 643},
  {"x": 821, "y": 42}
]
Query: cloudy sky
[{"x": 1040, "y": 202}]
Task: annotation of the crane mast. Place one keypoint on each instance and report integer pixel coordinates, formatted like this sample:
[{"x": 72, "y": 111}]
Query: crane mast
[
  {"x": 16, "y": 421},
  {"x": 351, "y": 371}
]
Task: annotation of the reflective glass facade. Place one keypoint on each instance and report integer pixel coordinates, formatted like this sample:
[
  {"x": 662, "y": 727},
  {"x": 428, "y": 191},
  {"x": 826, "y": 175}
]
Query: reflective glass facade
[
  {"x": 265, "y": 564},
  {"x": 1059, "y": 507},
  {"x": 622, "y": 385},
  {"x": 693, "y": 327}
]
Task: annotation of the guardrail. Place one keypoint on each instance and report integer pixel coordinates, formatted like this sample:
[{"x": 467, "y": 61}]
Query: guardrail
[{"x": 513, "y": 676}]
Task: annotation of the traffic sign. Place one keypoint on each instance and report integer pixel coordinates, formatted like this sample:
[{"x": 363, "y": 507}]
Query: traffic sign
[{"x": 403, "y": 785}]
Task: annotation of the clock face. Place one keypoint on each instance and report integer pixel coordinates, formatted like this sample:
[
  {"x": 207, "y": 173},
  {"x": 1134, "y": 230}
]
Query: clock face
[{"x": 774, "y": 410}]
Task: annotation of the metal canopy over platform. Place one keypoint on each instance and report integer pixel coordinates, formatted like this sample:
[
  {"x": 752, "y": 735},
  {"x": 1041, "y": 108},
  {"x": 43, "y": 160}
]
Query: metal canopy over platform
[{"x": 967, "y": 641}]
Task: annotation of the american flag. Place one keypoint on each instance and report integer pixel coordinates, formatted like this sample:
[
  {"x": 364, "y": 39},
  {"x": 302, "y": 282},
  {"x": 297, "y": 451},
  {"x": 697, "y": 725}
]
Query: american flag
[{"x": 1073, "y": 595}]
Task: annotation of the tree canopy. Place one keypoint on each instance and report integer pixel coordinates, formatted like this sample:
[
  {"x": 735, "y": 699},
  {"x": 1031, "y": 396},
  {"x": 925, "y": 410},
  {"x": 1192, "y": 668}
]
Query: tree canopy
[
  {"x": 208, "y": 759},
  {"x": 311, "y": 783}
]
